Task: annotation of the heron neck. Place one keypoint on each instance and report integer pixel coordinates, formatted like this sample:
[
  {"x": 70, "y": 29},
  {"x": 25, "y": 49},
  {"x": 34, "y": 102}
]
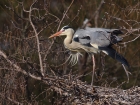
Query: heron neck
[{"x": 68, "y": 40}]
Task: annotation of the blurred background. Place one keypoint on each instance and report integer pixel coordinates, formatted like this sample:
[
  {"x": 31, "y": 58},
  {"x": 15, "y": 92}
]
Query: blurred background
[{"x": 18, "y": 41}]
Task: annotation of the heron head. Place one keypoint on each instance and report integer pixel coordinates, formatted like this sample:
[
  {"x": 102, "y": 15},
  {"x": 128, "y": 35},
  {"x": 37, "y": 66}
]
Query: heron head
[{"x": 64, "y": 31}]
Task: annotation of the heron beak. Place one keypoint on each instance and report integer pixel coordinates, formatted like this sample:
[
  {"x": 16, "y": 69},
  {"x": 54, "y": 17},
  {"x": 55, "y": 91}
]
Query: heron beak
[{"x": 56, "y": 34}]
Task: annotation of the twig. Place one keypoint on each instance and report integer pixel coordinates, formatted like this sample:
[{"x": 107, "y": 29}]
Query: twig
[
  {"x": 132, "y": 40},
  {"x": 11, "y": 100},
  {"x": 14, "y": 101},
  {"x": 96, "y": 14},
  {"x": 37, "y": 40},
  {"x": 65, "y": 15},
  {"x": 17, "y": 68}
]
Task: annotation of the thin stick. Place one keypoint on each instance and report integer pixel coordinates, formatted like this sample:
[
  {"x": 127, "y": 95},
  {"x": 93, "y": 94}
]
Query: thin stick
[
  {"x": 93, "y": 60},
  {"x": 65, "y": 15},
  {"x": 18, "y": 68},
  {"x": 37, "y": 40},
  {"x": 127, "y": 73}
]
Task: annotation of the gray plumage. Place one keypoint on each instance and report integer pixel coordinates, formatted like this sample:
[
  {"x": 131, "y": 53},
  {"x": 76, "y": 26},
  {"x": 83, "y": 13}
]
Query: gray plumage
[
  {"x": 92, "y": 40},
  {"x": 97, "y": 36},
  {"x": 101, "y": 39}
]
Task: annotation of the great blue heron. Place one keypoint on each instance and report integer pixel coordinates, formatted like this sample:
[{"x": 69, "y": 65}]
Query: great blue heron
[{"x": 91, "y": 40}]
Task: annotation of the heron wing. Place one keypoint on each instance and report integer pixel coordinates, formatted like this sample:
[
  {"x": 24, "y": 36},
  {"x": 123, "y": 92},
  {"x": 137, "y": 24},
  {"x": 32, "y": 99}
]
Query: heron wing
[
  {"x": 97, "y": 37},
  {"x": 81, "y": 36},
  {"x": 101, "y": 39},
  {"x": 114, "y": 54}
]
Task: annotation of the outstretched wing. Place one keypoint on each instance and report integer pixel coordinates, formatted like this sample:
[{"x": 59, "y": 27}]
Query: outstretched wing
[
  {"x": 101, "y": 39},
  {"x": 114, "y": 54},
  {"x": 97, "y": 37}
]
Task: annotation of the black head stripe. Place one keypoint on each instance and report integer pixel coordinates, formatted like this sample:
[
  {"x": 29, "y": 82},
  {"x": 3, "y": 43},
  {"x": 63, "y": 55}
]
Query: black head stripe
[{"x": 66, "y": 27}]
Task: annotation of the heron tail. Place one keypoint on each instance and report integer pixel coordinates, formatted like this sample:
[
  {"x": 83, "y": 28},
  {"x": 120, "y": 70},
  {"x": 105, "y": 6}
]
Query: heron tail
[{"x": 115, "y": 55}]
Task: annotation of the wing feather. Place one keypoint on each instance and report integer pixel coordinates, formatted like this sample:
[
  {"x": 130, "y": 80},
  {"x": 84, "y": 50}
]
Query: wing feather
[{"x": 97, "y": 37}]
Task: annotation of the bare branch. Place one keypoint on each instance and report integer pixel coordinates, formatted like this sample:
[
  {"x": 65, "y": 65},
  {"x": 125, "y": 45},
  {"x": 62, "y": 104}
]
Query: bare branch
[
  {"x": 17, "y": 68},
  {"x": 37, "y": 40},
  {"x": 65, "y": 15},
  {"x": 11, "y": 100},
  {"x": 96, "y": 14}
]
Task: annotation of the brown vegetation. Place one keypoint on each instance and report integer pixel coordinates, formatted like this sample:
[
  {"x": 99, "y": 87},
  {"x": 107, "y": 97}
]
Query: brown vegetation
[{"x": 33, "y": 69}]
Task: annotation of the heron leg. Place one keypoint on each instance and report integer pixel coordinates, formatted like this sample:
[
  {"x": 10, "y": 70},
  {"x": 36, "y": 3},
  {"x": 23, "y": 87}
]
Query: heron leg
[{"x": 93, "y": 60}]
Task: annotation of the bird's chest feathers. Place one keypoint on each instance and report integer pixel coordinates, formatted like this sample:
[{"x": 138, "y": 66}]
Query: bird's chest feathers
[{"x": 71, "y": 45}]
